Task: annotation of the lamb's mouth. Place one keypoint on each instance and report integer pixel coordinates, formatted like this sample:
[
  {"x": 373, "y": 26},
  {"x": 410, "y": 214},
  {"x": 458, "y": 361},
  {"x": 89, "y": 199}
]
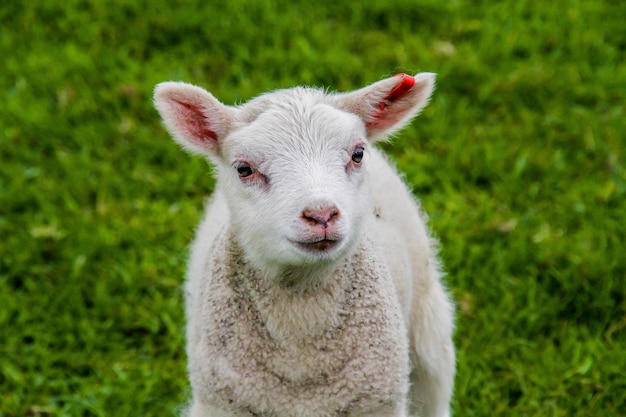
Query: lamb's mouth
[{"x": 318, "y": 246}]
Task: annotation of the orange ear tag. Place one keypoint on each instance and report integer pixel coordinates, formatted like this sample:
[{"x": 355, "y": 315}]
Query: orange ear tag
[{"x": 399, "y": 90}]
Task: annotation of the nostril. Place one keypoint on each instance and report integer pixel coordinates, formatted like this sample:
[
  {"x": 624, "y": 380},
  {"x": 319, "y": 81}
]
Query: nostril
[{"x": 322, "y": 217}]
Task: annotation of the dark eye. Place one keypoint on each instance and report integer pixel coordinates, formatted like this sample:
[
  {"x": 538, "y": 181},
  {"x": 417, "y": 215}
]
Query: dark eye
[
  {"x": 357, "y": 154},
  {"x": 244, "y": 170}
]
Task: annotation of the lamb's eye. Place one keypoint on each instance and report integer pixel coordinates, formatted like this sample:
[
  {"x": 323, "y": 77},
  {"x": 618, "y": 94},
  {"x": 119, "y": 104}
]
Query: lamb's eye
[
  {"x": 357, "y": 154},
  {"x": 244, "y": 170}
]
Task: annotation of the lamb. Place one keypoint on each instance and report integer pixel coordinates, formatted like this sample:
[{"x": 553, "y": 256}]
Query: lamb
[{"x": 313, "y": 287}]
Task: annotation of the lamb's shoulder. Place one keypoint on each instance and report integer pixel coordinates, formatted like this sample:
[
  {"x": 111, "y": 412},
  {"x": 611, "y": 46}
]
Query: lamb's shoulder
[
  {"x": 216, "y": 215},
  {"x": 399, "y": 225},
  {"x": 355, "y": 356}
]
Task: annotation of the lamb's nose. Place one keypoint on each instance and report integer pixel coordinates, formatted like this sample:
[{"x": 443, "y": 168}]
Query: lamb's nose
[{"x": 323, "y": 217}]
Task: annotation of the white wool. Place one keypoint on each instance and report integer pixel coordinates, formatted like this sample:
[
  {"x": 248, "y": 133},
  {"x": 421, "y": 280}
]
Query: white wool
[{"x": 313, "y": 286}]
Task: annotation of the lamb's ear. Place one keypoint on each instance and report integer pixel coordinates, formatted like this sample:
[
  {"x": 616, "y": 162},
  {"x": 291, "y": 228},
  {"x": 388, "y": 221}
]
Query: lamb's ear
[
  {"x": 388, "y": 105},
  {"x": 196, "y": 119}
]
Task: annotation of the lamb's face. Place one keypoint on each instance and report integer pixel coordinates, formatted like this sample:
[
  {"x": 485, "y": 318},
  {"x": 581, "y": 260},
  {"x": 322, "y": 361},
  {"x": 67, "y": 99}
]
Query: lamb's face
[
  {"x": 294, "y": 182},
  {"x": 291, "y": 162}
]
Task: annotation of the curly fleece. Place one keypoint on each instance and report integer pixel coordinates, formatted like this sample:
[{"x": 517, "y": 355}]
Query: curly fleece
[{"x": 262, "y": 366}]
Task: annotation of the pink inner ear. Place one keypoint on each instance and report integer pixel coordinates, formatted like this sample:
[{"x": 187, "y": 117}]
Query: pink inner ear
[
  {"x": 399, "y": 90},
  {"x": 386, "y": 115},
  {"x": 196, "y": 123}
]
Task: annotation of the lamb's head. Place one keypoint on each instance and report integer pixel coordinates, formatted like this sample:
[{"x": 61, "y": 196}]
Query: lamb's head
[{"x": 291, "y": 163}]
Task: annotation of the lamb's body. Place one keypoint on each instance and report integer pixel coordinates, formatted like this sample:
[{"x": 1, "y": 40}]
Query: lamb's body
[{"x": 339, "y": 331}]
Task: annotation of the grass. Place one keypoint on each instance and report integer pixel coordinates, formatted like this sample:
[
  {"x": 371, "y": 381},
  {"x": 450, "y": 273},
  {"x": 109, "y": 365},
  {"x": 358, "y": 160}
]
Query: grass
[{"x": 519, "y": 160}]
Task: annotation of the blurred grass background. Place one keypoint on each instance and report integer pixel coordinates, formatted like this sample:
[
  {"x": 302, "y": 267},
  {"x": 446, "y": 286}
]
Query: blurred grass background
[{"x": 519, "y": 160}]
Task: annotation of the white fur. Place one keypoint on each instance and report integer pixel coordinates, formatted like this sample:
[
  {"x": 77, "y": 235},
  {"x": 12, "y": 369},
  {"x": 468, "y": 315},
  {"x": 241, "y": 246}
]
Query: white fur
[{"x": 360, "y": 327}]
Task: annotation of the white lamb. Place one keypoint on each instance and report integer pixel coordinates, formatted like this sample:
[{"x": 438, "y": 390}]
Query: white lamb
[{"x": 314, "y": 286}]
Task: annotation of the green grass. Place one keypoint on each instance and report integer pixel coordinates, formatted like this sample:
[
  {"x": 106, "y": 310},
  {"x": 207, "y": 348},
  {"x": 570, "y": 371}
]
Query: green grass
[{"x": 519, "y": 160}]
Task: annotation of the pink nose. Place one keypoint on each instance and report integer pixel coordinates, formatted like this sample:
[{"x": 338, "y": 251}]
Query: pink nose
[{"x": 323, "y": 217}]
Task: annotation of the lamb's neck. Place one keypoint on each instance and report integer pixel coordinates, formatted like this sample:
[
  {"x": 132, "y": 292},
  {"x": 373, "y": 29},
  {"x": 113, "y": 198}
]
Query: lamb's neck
[
  {"x": 299, "y": 303},
  {"x": 300, "y": 279}
]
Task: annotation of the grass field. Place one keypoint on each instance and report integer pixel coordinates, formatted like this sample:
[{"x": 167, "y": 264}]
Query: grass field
[{"x": 519, "y": 160}]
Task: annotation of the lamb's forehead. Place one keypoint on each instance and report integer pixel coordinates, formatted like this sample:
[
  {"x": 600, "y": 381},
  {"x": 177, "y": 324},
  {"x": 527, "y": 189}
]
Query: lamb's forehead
[
  {"x": 282, "y": 100},
  {"x": 305, "y": 112}
]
